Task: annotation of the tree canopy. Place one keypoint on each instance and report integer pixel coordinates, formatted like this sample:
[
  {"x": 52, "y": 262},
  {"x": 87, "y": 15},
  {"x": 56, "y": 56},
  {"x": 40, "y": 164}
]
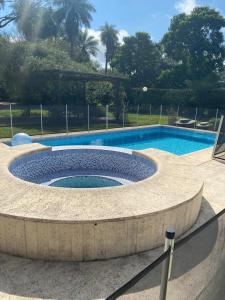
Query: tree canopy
[
  {"x": 197, "y": 42},
  {"x": 53, "y": 34},
  {"x": 74, "y": 14},
  {"x": 139, "y": 58}
]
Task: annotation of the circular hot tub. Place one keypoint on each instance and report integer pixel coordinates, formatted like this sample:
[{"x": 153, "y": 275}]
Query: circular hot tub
[
  {"x": 121, "y": 202},
  {"x": 83, "y": 168}
]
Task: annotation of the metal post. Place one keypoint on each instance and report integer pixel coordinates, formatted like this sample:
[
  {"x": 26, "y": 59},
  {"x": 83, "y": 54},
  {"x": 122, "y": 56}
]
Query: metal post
[
  {"x": 150, "y": 112},
  {"x": 67, "y": 124},
  {"x": 88, "y": 111},
  {"x": 217, "y": 136},
  {"x": 11, "y": 119},
  {"x": 160, "y": 116},
  {"x": 124, "y": 115},
  {"x": 138, "y": 108},
  {"x": 42, "y": 131},
  {"x": 217, "y": 112},
  {"x": 107, "y": 117},
  {"x": 178, "y": 112},
  {"x": 196, "y": 115},
  {"x": 167, "y": 264}
]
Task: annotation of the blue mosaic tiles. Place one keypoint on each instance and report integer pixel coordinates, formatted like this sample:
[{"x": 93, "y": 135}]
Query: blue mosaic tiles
[{"x": 45, "y": 166}]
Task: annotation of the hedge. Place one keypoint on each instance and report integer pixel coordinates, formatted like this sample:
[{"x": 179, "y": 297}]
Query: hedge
[{"x": 185, "y": 97}]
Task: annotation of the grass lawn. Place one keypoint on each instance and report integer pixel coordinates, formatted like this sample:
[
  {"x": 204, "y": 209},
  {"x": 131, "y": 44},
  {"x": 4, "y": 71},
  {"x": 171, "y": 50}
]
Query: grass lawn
[{"x": 131, "y": 120}]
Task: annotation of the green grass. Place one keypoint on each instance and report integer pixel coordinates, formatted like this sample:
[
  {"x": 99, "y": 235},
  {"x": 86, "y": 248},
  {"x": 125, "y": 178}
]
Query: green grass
[
  {"x": 21, "y": 112},
  {"x": 142, "y": 119},
  {"x": 131, "y": 120}
]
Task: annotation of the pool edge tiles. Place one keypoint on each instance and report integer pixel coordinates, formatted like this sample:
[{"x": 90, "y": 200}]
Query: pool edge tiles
[{"x": 46, "y": 166}]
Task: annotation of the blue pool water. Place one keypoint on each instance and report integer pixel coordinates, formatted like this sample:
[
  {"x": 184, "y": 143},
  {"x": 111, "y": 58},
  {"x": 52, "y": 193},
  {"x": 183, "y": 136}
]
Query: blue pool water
[
  {"x": 174, "y": 140},
  {"x": 85, "y": 182}
]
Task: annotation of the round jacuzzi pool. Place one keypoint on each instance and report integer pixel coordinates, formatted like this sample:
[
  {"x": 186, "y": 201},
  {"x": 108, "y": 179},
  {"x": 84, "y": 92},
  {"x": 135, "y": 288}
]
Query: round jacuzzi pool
[
  {"x": 106, "y": 202},
  {"x": 83, "y": 168}
]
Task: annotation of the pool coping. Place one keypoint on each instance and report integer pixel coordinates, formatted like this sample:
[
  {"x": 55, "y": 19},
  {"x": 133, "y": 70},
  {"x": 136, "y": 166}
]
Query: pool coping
[{"x": 8, "y": 184}]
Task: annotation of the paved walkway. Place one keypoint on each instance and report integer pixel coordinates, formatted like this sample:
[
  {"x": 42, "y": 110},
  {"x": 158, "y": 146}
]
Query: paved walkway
[{"x": 194, "y": 265}]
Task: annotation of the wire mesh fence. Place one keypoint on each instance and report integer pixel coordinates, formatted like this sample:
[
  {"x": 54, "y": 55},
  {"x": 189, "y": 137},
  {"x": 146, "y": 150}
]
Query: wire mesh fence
[
  {"x": 47, "y": 119},
  {"x": 197, "y": 268}
]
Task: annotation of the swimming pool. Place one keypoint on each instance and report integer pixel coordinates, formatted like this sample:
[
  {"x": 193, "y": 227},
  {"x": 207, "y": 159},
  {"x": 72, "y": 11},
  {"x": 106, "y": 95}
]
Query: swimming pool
[{"x": 174, "y": 140}]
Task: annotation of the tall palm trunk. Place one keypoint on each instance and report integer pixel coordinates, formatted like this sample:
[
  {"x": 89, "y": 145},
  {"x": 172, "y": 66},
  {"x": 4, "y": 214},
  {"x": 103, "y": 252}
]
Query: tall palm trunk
[
  {"x": 106, "y": 63},
  {"x": 106, "y": 66},
  {"x": 72, "y": 48}
]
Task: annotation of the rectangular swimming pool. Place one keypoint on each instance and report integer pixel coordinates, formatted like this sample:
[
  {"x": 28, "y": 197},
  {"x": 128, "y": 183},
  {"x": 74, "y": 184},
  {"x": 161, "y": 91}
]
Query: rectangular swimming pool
[{"x": 174, "y": 140}]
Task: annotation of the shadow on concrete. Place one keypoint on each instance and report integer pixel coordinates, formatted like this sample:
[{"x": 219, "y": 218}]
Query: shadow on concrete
[
  {"x": 96, "y": 280},
  {"x": 186, "y": 258}
]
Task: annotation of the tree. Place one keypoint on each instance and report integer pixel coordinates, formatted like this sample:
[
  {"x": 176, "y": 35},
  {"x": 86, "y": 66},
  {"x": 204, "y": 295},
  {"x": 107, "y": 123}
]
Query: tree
[
  {"x": 88, "y": 46},
  {"x": 5, "y": 20},
  {"x": 109, "y": 38},
  {"x": 2, "y": 3},
  {"x": 50, "y": 26},
  {"x": 173, "y": 77},
  {"x": 28, "y": 18},
  {"x": 197, "y": 42},
  {"x": 139, "y": 58},
  {"x": 74, "y": 14}
]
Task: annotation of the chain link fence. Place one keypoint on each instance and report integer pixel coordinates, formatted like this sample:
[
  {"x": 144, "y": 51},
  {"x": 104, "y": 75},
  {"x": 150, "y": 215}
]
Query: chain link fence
[{"x": 49, "y": 119}]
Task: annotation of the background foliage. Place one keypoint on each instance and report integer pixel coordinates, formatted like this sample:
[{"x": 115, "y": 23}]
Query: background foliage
[{"x": 185, "y": 67}]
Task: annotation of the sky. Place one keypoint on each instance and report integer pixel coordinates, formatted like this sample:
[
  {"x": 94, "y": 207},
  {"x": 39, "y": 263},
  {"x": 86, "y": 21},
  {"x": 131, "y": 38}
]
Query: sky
[{"x": 152, "y": 16}]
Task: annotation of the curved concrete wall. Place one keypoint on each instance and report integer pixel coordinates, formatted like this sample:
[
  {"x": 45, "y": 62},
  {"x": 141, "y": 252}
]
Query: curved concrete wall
[{"x": 96, "y": 240}]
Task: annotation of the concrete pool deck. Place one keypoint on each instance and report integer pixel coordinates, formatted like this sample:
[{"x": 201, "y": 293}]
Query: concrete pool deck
[
  {"x": 27, "y": 279},
  {"x": 75, "y": 224}
]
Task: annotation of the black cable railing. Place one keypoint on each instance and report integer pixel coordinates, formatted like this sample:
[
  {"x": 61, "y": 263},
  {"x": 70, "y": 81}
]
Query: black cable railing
[{"x": 132, "y": 282}]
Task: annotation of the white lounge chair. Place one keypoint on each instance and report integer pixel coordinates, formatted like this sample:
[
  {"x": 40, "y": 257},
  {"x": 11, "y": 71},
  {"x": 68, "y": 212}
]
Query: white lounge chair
[{"x": 185, "y": 123}]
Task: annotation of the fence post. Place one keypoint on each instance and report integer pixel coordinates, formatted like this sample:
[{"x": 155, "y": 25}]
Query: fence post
[
  {"x": 42, "y": 131},
  {"x": 138, "y": 108},
  {"x": 150, "y": 112},
  {"x": 88, "y": 117},
  {"x": 178, "y": 111},
  {"x": 67, "y": 124},
  {"x": 11, "y": 119},
  {"x": 107, "y": 117},
  {"x": 217, "y": 112},
  {"x": 196, "y": 115},
  {"x": 160, "y": 116},
  {"x": 217, "y": 136},
  {"x": 123, "y": 115},
  {"x": 167, "y": 264}
]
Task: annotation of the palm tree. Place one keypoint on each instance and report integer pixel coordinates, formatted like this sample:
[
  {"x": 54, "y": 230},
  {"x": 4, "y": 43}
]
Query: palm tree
[
  {"x": 109, "y": 38},
  {"x": 88, "y": 45},
  {"x": 50, "y": 27},
  {"x": 75, "y": 14},
  {"x": 2, "y": 3},
  {"x": 28, "y": 18}
]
